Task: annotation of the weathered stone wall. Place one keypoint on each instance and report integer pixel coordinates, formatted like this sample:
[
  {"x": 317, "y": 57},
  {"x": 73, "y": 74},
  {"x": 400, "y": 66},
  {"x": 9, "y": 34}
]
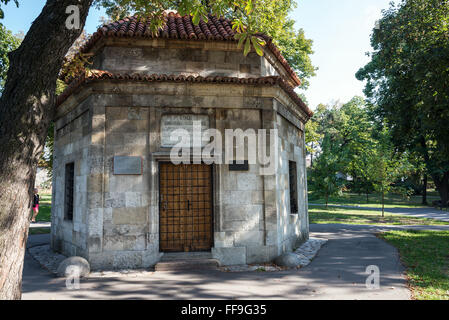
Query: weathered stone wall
[
  {"x": 72, "y": 143},
  {"x": 116, "y": 220},
  {"x": 123, "y": 199},
  {"x": 240, "y": 230},
  {"x": 179, "y": 61},
  {"x": 293, "y": 226}
]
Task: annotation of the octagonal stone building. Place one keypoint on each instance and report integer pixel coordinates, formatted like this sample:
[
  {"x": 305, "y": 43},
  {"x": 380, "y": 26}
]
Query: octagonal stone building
[{"x": 119, "y": 202}]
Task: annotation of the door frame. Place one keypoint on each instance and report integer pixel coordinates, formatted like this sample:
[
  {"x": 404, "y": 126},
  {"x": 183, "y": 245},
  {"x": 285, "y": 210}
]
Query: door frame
[{"x": 212, "y": 201}]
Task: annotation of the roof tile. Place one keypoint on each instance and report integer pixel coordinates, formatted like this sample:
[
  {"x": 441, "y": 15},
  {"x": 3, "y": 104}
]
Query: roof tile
[{"x": 178, "y": 27}]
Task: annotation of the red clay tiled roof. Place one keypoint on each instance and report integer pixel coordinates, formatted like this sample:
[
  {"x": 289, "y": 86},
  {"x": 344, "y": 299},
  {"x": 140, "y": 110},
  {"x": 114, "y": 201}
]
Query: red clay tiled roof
[
  {"x": 178, "y": 27},
  {"x": 98, "y": 75}
]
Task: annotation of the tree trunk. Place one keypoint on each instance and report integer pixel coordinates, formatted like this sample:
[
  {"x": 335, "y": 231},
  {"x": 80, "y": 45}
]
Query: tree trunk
[
  {"x": 441, "y": 182},
  {"x": 26, "y": 109},
  {"x": 383, "y": 203},
  {"x": 442, "y": 185},
  {"x": 327, "y": 201},
  {"x": 424, "y": 194}
]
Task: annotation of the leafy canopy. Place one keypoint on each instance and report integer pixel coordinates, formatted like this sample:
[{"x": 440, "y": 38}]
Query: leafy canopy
[
  {"x": 325, "y": 175},
  {"x": 407, "y": 80},
  {"x": 353, "y": 151}
]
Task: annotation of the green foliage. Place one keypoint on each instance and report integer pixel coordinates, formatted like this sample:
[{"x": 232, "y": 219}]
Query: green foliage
[
  {"x": 317, "y": 127},
  {"x": 313, "y": 137},
  {"x": 407, "y": 80},
  {"x": 358, "y": 140},
  {"x": 8, "y": 43},
  {"x": 325, "y": 178},
  {"x": 415, "y": 174},
  {"x": 272, "y": 18},
  {"x": 385, "y": 166},
  {"x": 352, "y": 133},
  {"x": 351, "y": 144}
]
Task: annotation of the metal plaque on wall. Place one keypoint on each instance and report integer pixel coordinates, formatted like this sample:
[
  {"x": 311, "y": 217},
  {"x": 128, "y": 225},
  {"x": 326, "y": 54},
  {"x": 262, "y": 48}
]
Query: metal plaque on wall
[{"x": 127, "y": 165}]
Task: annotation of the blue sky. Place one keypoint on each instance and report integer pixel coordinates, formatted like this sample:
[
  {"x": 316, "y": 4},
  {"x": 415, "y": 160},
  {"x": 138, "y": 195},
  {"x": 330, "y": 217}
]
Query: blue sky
[{"x": 340, "y": 30}]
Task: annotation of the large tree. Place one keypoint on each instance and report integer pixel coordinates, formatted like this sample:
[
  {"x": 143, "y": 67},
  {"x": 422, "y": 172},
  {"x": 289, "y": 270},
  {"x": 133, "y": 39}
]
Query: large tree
[
  {"x": 408, "y": 80},
  {"x": 26, "y": 109},
  {"x": 27, "y": 103}
]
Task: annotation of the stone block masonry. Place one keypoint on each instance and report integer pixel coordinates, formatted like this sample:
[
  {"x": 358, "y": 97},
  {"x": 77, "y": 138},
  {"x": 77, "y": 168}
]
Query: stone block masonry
[{"x": 117, "y": 211}]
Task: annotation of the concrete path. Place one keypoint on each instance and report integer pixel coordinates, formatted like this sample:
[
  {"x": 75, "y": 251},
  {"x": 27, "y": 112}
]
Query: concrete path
[
  {"x": 430, "y": 213},
  {"x": 40, "y": 224},
  {"x": 338, "y": 272}
]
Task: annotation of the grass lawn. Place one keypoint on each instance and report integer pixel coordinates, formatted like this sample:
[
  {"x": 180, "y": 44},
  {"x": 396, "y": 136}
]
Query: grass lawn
[
  {"x": 375, "y": 201},
  {"x": 321, "y": 215},
  {"x": 39, "y": 230},
  {"x": 425, "y": 254},
  {"x": 44, "y": 208}
]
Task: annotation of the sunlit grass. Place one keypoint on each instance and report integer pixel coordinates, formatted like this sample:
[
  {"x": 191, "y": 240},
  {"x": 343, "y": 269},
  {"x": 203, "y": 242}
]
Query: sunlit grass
[
  {"x": 425, "y": 254},
  {"x": 375, "y": 200},
  {"x": 321, "y": 215}
]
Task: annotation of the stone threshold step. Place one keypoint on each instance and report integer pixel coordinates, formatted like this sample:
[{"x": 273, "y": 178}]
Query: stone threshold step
[
  {"x": 171, "y": 256},
  {"x": 189, "y": 264}
]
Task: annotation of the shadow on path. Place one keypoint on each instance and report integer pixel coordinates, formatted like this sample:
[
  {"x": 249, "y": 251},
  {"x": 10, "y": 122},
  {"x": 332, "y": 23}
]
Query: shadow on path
[{"x": 338, "y": 272}]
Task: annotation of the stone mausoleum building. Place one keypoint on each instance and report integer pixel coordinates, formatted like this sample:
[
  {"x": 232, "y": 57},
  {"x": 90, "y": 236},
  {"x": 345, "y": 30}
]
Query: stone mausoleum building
[{"x": 119, "y": 202}]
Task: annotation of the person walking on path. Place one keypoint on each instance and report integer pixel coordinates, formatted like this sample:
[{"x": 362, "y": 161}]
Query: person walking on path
[{"x": 35, "y": 205}]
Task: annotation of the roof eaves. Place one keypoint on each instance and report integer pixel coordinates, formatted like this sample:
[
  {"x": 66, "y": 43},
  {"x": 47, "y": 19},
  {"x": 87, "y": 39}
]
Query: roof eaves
[{"x": 98, "y": 75}]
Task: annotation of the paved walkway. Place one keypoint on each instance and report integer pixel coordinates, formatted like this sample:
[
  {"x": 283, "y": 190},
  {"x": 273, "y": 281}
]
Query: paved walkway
[
  {"x": 338, "y": 272},
  {"x": 40, "y": 224},
  {"x": 430, "y": 213}
]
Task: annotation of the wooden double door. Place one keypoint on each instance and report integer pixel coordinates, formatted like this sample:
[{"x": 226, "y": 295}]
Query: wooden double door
[{"x": 185, "y": 206}]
